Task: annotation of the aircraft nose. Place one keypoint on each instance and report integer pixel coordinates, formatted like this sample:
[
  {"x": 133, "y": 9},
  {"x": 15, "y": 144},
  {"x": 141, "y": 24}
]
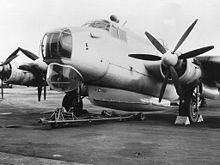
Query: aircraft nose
[{"x": 57, "y": 44}]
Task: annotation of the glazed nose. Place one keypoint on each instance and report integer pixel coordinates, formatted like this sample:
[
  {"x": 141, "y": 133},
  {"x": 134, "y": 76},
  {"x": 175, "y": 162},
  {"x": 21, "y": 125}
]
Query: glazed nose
[{"x": 57, "y": 44}]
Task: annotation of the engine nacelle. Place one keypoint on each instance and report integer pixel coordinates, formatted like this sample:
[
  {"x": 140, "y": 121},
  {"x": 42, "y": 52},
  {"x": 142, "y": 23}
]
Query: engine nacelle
[
  {"x": 209, "y": 92},
  {"x": 191, "y": 74},
  {"x": 187, "y": 71},
  {"x": 19, "y": 77}
]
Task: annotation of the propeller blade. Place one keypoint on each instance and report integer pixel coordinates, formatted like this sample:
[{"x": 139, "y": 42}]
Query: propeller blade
[
  {"x": 145, "y": 57},
  {"x": 14, "y": 55},
  {"x": 195, "y": 52},
  {"x": 175, "y": 80},
  {"x": 184, "y": 36},
  {"x": 2, "y": 90},
  {"x": 29, "y": 54},
  {"x": 156, "y": 43},
  {"x": 8, "y": 60},
  {"x": 39, "y": 90},
  {"x": 45, "y": 90},
  {"x": 11, "y": 57},
  {"x": 163, "y": 87}
]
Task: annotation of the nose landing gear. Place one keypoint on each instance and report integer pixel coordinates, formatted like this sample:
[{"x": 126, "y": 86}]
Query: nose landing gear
[{"x": 72, "y": 102}]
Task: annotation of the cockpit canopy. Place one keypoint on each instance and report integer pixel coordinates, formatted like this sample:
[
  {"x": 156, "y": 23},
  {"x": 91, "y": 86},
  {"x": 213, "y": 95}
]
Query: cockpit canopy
[
  {"x": 114, "y": 30},
  {"x": 102, "y": 24}
]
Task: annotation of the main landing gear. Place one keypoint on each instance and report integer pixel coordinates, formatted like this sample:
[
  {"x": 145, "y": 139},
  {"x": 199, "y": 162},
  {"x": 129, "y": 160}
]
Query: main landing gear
[{"x": 190, "y": 104}]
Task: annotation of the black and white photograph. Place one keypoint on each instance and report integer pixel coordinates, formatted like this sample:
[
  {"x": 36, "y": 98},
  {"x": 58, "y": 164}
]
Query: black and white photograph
[{"x": 120, "y": 82}]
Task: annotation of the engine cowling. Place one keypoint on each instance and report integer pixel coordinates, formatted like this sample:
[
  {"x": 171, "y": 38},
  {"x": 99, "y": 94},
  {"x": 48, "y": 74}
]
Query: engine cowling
[
  {"x": 187, "y": 71},
  {"x": 12, "y": 75},
  {"x": 191, "y": 73},
  {"x": 210, "y": 92}
]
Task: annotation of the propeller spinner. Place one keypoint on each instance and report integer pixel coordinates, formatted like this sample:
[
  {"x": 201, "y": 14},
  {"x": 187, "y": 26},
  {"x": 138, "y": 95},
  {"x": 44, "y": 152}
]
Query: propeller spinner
[{"x": 170, "y": 59}]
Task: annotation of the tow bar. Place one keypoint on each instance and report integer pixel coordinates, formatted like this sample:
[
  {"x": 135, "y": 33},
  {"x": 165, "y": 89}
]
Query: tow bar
[{"x": 60, "y": 117}]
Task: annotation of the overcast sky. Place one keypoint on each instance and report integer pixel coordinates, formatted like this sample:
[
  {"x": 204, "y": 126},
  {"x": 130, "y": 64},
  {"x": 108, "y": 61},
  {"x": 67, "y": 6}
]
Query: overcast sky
[{"x": 24, "y": 22}]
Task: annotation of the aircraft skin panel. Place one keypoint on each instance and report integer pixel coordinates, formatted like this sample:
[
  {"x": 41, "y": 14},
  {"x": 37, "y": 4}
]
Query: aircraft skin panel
[
  {"x": 124, "y": 100},
  {"x": 126, "y": 79},
  {"x": 109, "y": 65}
]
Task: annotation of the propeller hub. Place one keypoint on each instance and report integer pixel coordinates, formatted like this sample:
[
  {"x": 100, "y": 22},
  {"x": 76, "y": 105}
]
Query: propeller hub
[{"x": 170, "y": 59}]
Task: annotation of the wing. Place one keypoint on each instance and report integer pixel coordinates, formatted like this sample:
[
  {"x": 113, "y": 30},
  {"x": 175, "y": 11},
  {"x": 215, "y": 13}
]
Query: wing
[
  {"x": 210, "y": 66},
  {"x": 29, "y": 74}
]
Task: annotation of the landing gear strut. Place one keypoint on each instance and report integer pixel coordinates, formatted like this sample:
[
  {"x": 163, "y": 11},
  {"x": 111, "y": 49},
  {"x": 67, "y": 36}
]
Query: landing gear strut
[
  {"x": 189, "y": 105},
  {"x": 72, "y": 102}
]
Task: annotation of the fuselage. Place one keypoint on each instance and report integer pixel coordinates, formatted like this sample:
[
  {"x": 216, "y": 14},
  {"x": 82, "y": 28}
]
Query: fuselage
[{"x": 96, "y": 55}]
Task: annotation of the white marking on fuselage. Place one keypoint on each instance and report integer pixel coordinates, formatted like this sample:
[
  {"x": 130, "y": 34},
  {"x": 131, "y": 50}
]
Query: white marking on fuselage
[{"x": 6, "y": 113}]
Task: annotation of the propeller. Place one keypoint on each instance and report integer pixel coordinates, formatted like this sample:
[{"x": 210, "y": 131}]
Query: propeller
[
  {"x": 156, "y": 43},
  {"x": 184, "y": 36},
  {"x": 145, "y": 57},
  {"x": 195, "y": 52},
  {"x": 32, "y": 56},
  {"x": 45, "y": 87},
  {"x": 2, "y": 88},
  {"x": 2, "y": 84},
  {"x": 39, "y": 89},
  {"x": 170, "y": 59},
  {"x": 14, "y": 55},
  {"x": 163, "y": 87}
]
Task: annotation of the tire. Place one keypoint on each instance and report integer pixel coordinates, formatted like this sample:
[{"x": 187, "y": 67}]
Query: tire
[
  {"x": 67, "y": 102},
  {"x": 188, "y": 108},
  {"x": 70, "y": 103},
  {"x": 141, "y": 116}
]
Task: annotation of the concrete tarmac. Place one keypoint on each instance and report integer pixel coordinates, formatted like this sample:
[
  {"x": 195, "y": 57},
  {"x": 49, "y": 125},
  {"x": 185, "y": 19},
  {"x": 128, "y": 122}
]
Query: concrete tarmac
[{"x": 153, "y": 141}]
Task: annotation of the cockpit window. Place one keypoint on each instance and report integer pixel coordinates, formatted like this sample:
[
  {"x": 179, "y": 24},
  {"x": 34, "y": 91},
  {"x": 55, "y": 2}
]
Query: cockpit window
[
  {"x": 57, "y": 44},
  {"x": 113, "y": 29},
  {"x": 102, "y": 24}
]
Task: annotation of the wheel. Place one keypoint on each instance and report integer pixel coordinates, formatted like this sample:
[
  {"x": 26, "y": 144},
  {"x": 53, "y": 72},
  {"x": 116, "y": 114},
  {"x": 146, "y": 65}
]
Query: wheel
[
  {"x": 190, "y": 106},
  {"x": 70, "y": 103},
  {"x": 70, "y": 100},
  {"x": 141, "y": 116},
  {"x": 192, "y": 110}
]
